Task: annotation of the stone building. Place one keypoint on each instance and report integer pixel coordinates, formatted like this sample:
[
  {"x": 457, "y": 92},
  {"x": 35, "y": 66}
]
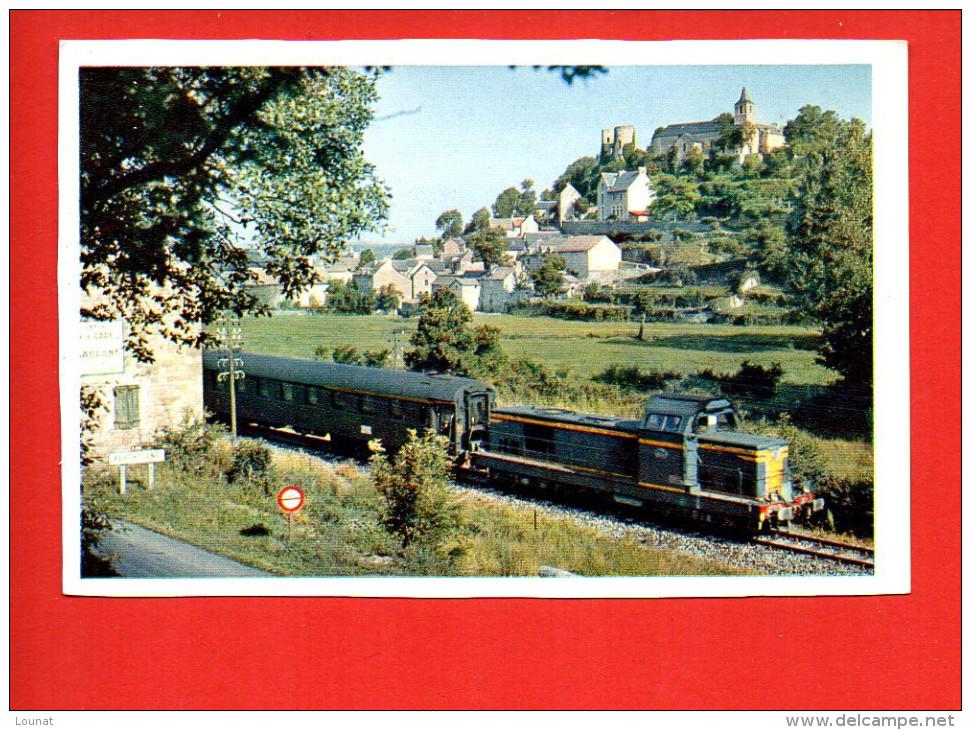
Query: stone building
[
  {"x": 624, "y": 196},
  {"x": 140, "y": 398},
  {"x": 687, "y": 138}
]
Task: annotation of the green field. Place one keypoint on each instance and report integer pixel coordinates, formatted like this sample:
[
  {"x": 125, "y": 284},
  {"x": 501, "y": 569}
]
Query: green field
[{"x": 585, "y": 348}]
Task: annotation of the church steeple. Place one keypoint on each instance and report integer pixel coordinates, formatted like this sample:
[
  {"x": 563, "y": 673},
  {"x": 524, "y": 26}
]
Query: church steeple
[{"x": 744, "y": 109}]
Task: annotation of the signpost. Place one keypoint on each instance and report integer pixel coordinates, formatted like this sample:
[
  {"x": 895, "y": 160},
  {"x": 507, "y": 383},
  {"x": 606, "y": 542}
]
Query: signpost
[
  {"x": 122, "y": 459},
  {"x": 290, "y": 500}
]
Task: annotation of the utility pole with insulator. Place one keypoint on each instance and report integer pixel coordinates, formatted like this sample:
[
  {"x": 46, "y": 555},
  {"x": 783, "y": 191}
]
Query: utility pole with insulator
[{"x": 230, "y": 336}]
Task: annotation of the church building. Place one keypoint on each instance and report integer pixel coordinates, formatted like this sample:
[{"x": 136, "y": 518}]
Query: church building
[{"x": 688, "y": 137}]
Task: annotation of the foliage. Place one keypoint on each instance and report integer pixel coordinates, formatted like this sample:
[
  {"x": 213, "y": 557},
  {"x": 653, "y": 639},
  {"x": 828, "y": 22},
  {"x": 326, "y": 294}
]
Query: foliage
[
  {"x": 489, "y": 245},
  {"x": 92, "y": 406},
  {"x": 630, "y": 376},
  {"x": 829, "y": 266},
  {"x": 251, "y": 463},
  {"x": 548, "y": 277},
  {"x": 94, "y": 522},
  {"x": 674, "y": 197},
  {"x": 513, "y": 202},
  {"x": 479, "y": 222},
  {"x": 192, "y": 445},
  {"x": 450, "y": 223},
  {"x": 443, "y": 336},
  {"x": 388, "y": 298},
  {"x": 367, "y": 258},
  {"x": 348, "y": 299},
  {"x": 583, "y": 174},
  {"x": 403, "y": 253},
  {"x": 753, "y": 381},
  {"x": 178, "y": 165},
  {"x": 418, "y": 508}
]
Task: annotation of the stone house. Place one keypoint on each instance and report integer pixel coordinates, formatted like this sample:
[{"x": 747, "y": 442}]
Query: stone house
[
  {"x": 624, "y": 196},
  {"x": 409, "y": 277},
  {"x": 496, "y": 288},
  {"x": 139, "y": 398},
  {"x": 466, "y": 288},
  {"x": 515, "y": 227},
  {"x": 590, "y": 257}
]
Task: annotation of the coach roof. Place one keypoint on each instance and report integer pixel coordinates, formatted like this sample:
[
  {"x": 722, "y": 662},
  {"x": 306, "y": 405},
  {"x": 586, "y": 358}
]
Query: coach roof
[{"x": 379, "y": 381}]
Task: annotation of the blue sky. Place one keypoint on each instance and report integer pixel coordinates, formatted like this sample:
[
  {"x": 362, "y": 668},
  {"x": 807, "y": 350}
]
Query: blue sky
[{"x": 455, "y": 136}]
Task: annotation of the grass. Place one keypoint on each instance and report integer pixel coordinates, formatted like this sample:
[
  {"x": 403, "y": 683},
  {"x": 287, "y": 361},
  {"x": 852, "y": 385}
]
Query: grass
[
  {"x": 583, "y": 348},
  {"x": 338, "y": 532}
]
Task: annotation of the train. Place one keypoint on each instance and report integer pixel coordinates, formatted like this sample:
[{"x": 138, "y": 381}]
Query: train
[{"x": 685, "y": 457}]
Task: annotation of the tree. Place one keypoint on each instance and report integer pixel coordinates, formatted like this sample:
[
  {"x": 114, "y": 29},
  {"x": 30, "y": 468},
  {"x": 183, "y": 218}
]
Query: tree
[
  {"x": 443, "y": 336},
  {"x": 489, "y": 246},
  {"x": 388, "y": 298},
  {"x": 480, "y": 221},
  {"x": 506, "y": 203},
  {"x": 583, "y": 175},
  {"x": 548, "y": 276},
  {"x": 180, "y": 167},
  {"x": 513, "y": 202},
  {"x": 450, "y": 224},
  {"x": 674, "y": 197},
  {"x": 830, "y": 262},
  {"x": 348, "y": 299},
  {"x": 367, "y": 258},
  {"x": 417, "y": 506}
]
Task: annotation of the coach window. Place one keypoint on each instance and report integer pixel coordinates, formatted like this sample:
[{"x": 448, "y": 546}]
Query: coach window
[
  {"x": 127, "y": 407},
  {"x": 264, "y": 388},
  {"x": 397, "y": 410},
  {"x": 240, "y": 384},
  {"x": 367, "y": 404},
  {"x": 337, "y": 399},
  {"x": 313, "y": 395},
  {"x": 287, "y": 392}
]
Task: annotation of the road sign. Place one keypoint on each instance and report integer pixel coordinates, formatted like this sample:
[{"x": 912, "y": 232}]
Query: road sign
[
  {"x": 290, "y": 499},
  {"x": 145, "y": 456}
]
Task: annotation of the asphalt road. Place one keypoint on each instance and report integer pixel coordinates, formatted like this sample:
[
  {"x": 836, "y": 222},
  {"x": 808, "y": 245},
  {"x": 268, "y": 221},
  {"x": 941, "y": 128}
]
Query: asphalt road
[{"x": 136, "y": 552}]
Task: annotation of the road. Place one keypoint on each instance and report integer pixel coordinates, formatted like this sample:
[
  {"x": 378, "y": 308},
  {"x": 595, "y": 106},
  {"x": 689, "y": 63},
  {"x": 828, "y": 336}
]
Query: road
[{"x": 136, "y": 552}]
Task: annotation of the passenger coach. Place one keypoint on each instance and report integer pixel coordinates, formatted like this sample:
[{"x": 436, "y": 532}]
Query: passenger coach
[{"x": 350, "y": 402}]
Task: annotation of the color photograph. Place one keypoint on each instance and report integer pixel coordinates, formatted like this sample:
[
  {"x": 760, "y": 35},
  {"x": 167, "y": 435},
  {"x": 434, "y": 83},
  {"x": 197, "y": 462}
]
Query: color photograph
[{"x": 482, "y": 322}]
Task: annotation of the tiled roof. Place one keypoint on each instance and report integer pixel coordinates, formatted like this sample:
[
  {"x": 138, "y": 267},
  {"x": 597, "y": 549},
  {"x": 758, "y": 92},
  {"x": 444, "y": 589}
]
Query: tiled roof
[
  {"x": 617, "y": 181},
  {"x": 694, "y": 129}
]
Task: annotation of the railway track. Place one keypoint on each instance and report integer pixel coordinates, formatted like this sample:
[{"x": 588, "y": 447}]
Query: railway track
[
  {"x": 811, "y": 555},
  {"x": 819, "y": 547}
]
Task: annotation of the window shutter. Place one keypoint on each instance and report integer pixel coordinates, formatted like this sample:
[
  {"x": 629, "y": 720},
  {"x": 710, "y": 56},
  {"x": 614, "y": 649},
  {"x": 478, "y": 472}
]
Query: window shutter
[{"x": 127, "y": 407}]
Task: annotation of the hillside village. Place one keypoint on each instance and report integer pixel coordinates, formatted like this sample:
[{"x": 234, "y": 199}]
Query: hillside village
[{"x": 615, "y": 236}]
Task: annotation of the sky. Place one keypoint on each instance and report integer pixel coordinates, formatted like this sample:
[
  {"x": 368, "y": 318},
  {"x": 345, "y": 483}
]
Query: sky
[{"x": 454, "y": 137}]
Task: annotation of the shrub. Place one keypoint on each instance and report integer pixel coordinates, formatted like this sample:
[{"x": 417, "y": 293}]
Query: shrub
[
  {"x": 753, "y": 381},
  {"x": 192, "y": 446},
  {"x": 251, "y": 462},
  {"x": 418, "y": 508}
]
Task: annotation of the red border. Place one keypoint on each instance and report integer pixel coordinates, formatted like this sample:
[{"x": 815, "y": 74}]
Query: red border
[
  {"x": 279, "y": 499},
  {"x": 773, "y": 653}
]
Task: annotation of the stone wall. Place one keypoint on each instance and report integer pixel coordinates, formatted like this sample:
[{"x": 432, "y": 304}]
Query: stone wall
[{"x": 167, "y": 389}]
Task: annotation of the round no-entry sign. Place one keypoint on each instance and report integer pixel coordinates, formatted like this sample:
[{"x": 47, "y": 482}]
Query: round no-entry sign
[{"x": 290, "y": 499}]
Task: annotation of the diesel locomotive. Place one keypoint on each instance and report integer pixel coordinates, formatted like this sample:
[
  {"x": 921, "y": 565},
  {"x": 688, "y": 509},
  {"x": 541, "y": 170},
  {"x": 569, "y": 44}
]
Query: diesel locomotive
[{"x": 685, "y": 456}]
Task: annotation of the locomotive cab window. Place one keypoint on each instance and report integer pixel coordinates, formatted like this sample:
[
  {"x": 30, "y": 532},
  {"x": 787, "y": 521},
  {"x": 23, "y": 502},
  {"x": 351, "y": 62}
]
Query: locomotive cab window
[{"x": 661, "y": 422}]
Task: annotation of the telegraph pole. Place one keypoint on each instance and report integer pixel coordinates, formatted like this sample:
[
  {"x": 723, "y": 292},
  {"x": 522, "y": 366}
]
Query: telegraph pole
[{"x": 230, "y": 335}]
